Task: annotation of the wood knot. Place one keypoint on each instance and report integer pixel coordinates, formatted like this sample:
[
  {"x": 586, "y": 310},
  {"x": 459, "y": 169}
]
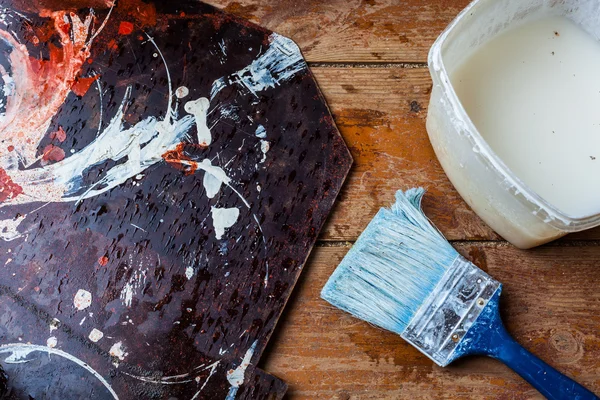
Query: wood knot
[
  {"x": 415, "y": 107},
  {"x": 566, "y": 346},
  {"x": 343, "y": 395}
]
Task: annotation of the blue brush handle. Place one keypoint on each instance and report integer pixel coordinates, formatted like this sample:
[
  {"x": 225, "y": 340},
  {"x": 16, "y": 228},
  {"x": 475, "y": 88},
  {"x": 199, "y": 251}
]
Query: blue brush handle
[{"x": 487, "y": 336}]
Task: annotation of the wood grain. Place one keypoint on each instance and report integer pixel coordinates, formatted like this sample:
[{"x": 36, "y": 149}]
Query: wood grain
[
  {"x": 550, "y": 303},
  {"x": 379, "y": 31},
  {"x": 381, "y": 114}
]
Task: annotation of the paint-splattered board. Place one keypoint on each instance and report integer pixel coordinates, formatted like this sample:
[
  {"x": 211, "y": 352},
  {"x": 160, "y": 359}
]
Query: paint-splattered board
[
  {"x": 369, "y": 58},
  {"x": 165, "y": 170}
]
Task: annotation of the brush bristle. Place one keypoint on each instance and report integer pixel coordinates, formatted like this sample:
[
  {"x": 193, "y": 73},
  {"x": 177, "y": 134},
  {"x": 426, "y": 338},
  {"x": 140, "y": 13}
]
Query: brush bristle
[{"x": 395, "y": 264}]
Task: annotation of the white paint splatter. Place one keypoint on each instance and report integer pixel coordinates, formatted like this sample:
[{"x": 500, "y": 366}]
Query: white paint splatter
[
  {"x": 199, "y": 108},
  {"x": 54, "y": 324},
  {"x": 52, "y": 342},
  {"x": 140, "y": 145},
  {"x": 182, "y": 92},
  {"x": 261, "y": 132},
  {"x": 223, "y": 218},
  {"x": 213, "y": 368},
  {"x": 9, "y": 228},
  {"x": 117, "y": 351},
  {"x": 182, "y": 378},
  {"x": 137, "y": 281},
  {"x": 82, "y": 300},
  {"x": 19, "y": 353},
  {"x": 127, "y": 294},
  {"x": 236, "y": 377},
  {"x": 280, "y": 62},
  {"x": 189, "y": 273},
  {"x": 95, "y": 335},
  {"x": 212, "y": 184},
  {"x": 264, "y": 147}
]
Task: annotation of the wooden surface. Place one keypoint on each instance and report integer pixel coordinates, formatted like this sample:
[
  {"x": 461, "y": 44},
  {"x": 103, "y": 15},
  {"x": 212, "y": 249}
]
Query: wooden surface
[{"x": 369, "y": 57}]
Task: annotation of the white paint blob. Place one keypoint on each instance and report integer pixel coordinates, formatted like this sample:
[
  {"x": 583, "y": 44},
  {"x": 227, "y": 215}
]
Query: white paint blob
[
  {"x": 82, "y": 300},
  {"x": 261, "y": 132},
  {"x": 189, "y": 273},
  {"x": 182, "y": 92},
  {"x": 117, "y": 351},
  {"x": 95, "y": 335},
  {"x": 223, "y": 218},
  {"x": 9, "y": 228},
  {"x": 54, "y": 324},
  {"x": 264, "y": 147},
  {"x": 52, "y": 342},
  {"x": 212, "y": 184},
  {"x": 199, "y": 108}
]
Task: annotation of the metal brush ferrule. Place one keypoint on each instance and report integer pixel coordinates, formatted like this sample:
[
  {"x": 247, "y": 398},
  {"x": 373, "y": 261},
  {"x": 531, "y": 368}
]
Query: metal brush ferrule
[{"x": 450, "y": 310}]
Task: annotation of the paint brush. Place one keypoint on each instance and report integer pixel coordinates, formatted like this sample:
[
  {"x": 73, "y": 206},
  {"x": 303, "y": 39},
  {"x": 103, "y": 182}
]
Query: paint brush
[{"x": 404, "y": 276}]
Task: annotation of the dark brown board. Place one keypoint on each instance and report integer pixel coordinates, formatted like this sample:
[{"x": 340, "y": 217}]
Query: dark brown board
[{"x": 185, "y": 309}]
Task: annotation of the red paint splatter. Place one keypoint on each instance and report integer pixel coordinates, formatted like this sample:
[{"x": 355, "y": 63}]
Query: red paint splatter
[
  {"x": 103, "y": 261},
  {"x": 59, "y": 135},
  {"x": 53, "y": 153},
  {"x": 10, "y": 148},
  {"x": 125, "y": 28},
  {"x": 8, "y": 189},
  {"x": 82, "y": 85},
  {"x": 112, "y": 45}
]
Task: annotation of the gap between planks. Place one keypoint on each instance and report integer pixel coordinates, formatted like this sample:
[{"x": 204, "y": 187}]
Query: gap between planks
[
  {"x": 380, "y": 65},
  {"x": 482, "y": 243}
]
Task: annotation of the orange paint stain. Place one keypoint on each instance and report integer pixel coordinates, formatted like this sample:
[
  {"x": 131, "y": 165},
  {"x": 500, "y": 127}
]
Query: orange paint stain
[
  {"x": 8, "y": 189},
  {"x": 112, "y": 45},
  {"x": 180, "y": 161},
  {"x": 59, "y": 135},
  {"x": 82, "y": 85},
  {"x": 125, "y": 28},
  {"x": 53, "y": 153},
  {"x": 103, "y": 261}
]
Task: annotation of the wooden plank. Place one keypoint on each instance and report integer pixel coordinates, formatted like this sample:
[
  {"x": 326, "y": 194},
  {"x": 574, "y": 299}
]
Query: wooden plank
[
  {"x": 381, "y": 113},
  {"x": 550, "y": 303},
  {"x": 353, "y": 30}
]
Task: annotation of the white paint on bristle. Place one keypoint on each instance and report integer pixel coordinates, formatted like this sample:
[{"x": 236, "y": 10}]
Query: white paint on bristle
[{"x": 394, "y": 265}]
